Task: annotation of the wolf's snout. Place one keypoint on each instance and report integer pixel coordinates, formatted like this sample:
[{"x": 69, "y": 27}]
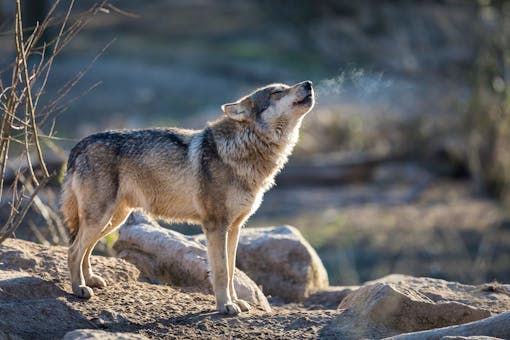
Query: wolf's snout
[
  {"x": 305, "y": 90},
  {"x": 307, "y": 85},
  {"x": 304, "y": 94}
]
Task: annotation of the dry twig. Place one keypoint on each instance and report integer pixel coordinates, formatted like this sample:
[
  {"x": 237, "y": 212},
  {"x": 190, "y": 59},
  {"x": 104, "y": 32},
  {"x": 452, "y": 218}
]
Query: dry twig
[{"x": 22, "y": 122}]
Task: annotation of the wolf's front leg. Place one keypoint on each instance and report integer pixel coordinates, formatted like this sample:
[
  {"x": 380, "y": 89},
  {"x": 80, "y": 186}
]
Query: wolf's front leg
[
  {"x": 217, "y": 254},
  {"x": 232, "y": 241}
]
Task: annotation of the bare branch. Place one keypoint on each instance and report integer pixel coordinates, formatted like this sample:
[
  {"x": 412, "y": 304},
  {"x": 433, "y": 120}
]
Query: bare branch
[
  {"x": 29, "y": 102},
  {"x": 22, "y": 119}
]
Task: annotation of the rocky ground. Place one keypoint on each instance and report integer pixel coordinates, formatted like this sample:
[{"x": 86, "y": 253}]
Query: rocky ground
[{"x": 35, "y": 303}]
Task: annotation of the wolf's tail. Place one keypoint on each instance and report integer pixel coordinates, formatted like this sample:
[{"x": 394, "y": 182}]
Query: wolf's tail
[{"x": 69, "y": 208}]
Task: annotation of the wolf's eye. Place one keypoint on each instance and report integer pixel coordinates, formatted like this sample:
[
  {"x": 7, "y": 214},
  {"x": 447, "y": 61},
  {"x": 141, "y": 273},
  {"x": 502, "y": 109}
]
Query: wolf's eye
[{"x": 277, "y": 94}]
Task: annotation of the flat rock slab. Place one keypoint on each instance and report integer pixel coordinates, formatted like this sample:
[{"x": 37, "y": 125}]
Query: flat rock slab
[
  {"x": 94, "y": 334},
  {"x": 475, "y": 337},
  {"x": 496, "y": 327}
]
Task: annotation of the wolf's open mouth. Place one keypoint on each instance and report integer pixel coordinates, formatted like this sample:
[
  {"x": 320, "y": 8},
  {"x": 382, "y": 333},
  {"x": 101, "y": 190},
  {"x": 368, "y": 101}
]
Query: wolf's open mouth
[{"x": 305, "y": 100}]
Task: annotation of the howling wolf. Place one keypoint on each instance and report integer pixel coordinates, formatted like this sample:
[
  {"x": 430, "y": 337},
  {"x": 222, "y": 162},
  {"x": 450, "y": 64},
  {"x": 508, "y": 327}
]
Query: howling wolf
[{"x": 214, "y": 177}]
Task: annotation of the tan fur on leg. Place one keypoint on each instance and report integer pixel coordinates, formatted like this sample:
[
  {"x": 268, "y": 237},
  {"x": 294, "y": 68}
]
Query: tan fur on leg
[
  {"x": 91, "y": 279},
  {"x": 217, "y": 254},
  {"x": 232, "y": 241},
  {"x": 77, "y": 250}
]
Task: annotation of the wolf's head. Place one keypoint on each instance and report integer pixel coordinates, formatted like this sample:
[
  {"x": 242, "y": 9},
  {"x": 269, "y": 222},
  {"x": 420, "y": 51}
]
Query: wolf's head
[{"x": 275, "y": 110}]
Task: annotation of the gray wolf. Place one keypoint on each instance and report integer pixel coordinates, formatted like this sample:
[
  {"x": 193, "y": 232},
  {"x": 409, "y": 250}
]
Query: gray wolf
[{"x": 214, "y": 177}]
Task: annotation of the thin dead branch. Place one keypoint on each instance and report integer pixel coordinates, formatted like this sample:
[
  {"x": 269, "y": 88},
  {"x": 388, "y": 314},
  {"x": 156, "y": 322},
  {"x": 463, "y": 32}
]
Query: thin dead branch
[
  {"x": 22, "y": 125},
  {"x": 20, "y": 50}
]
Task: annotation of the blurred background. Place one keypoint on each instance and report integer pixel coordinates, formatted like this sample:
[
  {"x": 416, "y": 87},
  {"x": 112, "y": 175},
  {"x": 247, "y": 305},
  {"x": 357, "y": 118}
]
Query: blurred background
[{"x": 402, "y": 167}]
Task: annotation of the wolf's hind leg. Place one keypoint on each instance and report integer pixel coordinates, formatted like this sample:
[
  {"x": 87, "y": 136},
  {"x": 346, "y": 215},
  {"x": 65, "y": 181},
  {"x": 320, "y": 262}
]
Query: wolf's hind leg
[
  {"x": 91, "y": 279},
  {"x": 86, "y": 235}
]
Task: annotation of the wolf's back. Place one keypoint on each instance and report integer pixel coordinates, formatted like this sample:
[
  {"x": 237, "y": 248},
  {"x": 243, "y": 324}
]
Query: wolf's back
[{"x": 99, "y": 158}]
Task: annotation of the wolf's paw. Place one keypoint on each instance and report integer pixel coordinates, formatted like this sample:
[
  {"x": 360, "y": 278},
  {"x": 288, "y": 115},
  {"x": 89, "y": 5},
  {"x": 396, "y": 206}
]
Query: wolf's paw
[
  {"x": 243, "y": 305},
  {"x": 83, "y": 292},
  {"x": 229, "y": 309},
  {"x": 95, "y": 281}
]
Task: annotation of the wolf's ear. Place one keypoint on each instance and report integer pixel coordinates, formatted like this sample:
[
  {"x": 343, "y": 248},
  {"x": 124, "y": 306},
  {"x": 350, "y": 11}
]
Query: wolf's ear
[{"x": 240, "y": 110}]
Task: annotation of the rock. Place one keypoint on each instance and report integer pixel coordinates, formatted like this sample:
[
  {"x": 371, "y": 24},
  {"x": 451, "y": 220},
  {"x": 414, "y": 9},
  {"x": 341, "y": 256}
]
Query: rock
[
  {"x": 109, "y": 317},
  {"x": 171, "y": 257},
  {"x": 92, "y": 334},
  {"x": 282, "y": 262},
  {"x": 493, "y": 297},
  {"x": 490, "y": 328},
  {"x": 475, "y": 337},
  {"x": 408, "y": 304}
]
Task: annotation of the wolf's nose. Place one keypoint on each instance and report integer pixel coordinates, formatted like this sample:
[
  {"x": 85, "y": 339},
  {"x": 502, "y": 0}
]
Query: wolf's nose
[{"x": 307, "y": 85}]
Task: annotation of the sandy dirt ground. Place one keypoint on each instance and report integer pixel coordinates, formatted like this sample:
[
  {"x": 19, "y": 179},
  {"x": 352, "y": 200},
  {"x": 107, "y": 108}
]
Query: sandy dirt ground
[{"x": 127, "y": 305}]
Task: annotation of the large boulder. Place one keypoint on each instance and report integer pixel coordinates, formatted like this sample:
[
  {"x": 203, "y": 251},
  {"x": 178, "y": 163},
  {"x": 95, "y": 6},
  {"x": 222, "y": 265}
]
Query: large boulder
[
  {"x": 282, "y": 262},
  {"x": 168, "y": 256},
  {"x": 408, "y": 304}
]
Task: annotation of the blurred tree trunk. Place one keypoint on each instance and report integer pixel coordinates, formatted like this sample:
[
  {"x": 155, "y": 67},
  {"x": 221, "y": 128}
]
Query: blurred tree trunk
[{"x": 489, "y": 125}]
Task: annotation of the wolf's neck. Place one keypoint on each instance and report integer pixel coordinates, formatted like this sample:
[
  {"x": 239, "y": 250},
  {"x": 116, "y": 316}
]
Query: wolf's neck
[{"x": 254, "y": 159}]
